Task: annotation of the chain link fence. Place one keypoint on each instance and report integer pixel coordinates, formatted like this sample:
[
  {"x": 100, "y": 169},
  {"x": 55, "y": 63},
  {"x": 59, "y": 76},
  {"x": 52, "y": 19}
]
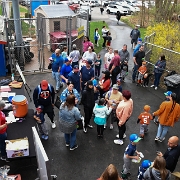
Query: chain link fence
[{"x": 41, "y": 36}]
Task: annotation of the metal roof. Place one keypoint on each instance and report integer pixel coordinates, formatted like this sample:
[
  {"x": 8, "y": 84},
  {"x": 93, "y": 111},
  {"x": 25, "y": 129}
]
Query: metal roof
[{"x": 54, "y": 11}]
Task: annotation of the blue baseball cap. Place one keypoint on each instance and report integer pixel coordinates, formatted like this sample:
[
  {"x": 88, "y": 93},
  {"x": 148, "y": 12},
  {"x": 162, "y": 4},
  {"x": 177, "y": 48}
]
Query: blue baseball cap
[
  {"x": 140, "y": 39},
  {"x": 66, "y": 60},
  {"x": 134, "y": 138},
  {"x": 168, "y": 93},
  {"x": 146, "y": 164}
]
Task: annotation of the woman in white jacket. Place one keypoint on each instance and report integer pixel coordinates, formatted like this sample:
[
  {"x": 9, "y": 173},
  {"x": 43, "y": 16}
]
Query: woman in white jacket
[{"x": 101, "y": 111}]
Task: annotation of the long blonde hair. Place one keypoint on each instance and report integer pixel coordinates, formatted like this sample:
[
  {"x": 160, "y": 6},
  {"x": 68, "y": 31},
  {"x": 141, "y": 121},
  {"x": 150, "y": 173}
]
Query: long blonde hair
[
  {"x": 110, "y": 173},
  {"x": 160, "y": 165}
]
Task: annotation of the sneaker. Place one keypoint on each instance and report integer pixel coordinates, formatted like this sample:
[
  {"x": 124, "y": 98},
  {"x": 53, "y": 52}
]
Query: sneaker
[
  {"x": 146, "y": 86},
  {"x": 161, "y": 140},
  {"x": 124, "y": 136},
  {"x": 111, "y": 126},
  {"x": 85, "y": 130},
  {"x": 124, "y": 176},
  {"x": 4, "y": 159},
  {"x": 43, "y": 136},
  {"x": 56, "y": 91},
  {"x": 156, "y": 139},
  {"x": 67, "y": 144},
  {"x": 118, "y": 141},
  {"x": 155, "y": 88},
  {"x": 74, "y": 147},
  {"x": 104, "y": 126},
  {"x": 53, "y": 125},
  {"x": 152, "y": 86},
  {"x": 46, "y": 137},
  {"x": 90, "y": 126}
]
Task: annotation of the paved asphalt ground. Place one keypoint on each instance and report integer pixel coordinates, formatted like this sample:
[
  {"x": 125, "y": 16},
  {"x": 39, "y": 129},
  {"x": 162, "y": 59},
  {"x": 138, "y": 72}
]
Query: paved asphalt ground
[{"x": 94, "y": 155}]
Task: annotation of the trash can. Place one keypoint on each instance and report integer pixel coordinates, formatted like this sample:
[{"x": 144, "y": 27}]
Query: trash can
[{"x": 173, "y": 84}]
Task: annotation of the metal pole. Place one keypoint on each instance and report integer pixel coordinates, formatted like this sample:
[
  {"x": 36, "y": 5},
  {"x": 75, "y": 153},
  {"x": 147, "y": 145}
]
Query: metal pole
[
  {"x": 70, "y": 35},
  {"x": 18, "y": 33},
  {"x": 67, "y": 30},
  {"x": 87, "y": 23}
]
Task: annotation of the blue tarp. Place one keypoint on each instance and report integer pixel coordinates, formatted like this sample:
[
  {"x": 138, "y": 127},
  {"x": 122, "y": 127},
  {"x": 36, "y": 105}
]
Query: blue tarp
[{"x": 35, "y": 4}]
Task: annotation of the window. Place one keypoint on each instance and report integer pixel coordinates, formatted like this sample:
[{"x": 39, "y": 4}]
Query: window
[{"x": 56, "y": 26}]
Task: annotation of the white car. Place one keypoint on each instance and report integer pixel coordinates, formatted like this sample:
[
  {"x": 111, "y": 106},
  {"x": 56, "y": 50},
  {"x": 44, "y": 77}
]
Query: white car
[
  {"x": 113, "y": 8},
  {"x": 133, "y": 9},
  {"x": 83, "y": 10},
  {"x": 92, "y": 3}
]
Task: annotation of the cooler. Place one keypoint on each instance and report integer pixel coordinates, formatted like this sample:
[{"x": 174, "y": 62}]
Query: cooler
[
  {"x": 20, "y": 106},
  {"x": 173, "y": 84}
]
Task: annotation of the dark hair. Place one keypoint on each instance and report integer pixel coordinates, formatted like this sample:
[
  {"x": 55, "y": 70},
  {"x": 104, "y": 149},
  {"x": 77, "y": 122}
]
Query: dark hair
[
  {"x": 163, "y": 57},
  {"x": 64, "y": 48},
  {"x": 96, "y": 29},
  {"x": 103, "y": 26},
  {"x": 87, "y": 38},
  {"x": 69, "y": 82},
  {"x": 107, "y": 76},
  {"x": 70, "y": 101},
  {"x": 126, "y": 94},
  {"x": 101, "y": 101}
]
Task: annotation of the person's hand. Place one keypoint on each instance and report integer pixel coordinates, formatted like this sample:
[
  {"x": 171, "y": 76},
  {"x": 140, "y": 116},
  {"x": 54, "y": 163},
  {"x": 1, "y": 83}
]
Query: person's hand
[
  {"x": 160, "y": 154},
  {"x": 66, "y": 81},
  {"x": 7, "y": 123},
  {"x": 76, "y": 100},
  {"x": 52, "y": 105},
  {"x": 136, "y": 157},
  {"x": 156, "y": 66}
]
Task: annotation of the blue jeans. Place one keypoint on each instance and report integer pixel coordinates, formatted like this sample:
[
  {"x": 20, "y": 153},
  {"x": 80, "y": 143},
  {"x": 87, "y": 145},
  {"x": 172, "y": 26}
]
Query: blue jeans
[
  {"x": 3, "y": 137},
  {"x": 71, "y": 138},
  {"x": 157, "y": 79},
  {"x": 56, "y": 77},
  {"x": 162, "y": 131},
  {"x": 136, "y": 67}
]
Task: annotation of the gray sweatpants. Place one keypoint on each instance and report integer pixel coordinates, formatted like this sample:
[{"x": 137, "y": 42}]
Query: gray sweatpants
[
  {"x": 127, "y": 164},
  {"x": 42, "y": 129},
  {"x": 143, "y": 128}
]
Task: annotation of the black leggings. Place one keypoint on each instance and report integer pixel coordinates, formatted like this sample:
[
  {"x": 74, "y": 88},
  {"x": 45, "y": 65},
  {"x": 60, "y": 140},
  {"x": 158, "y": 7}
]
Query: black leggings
[
  {"x": 88, "y": 114},
  {"x": 122, "y": 129},
  {"x": 100, "y": 129}
]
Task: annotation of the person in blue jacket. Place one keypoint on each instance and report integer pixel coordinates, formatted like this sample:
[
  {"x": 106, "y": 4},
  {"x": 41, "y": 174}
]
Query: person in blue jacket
[
  {"x": 57, "y": 62},
  {"x": 159, "y": 68},
  {"x": 144, "y": 166}
]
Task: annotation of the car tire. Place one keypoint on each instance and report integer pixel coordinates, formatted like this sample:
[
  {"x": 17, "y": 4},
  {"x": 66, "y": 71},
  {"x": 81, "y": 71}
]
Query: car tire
[{"x": 108, "y": 11}]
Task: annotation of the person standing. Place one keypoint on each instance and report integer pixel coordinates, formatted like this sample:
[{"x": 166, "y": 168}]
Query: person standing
[
  {"x": 137, "y": 61},
  {"x": 44, "y": 95},
  {"x": 98, "y": 63},
  {"x": 68, "y": 116},
  {"x": 172, "y": 153},
  {"x": 124, "y": 54},
  {"x": 168, "y": 113},
  {"x": 3, "y": 133},
  {"x": 118, "y": 16},
  {"x": 135, "y": 34},
  {"x": 87, "y": 73},
  {"x": 90, "y": 55},
  {"x": 108, "y": 57},
  {"x": 75, "y": 77},
  {"x": 101, "y": 10},
  {"x": 96, "y": 37},
  {"x": 114, "y": 67},
  {"x": 104, "y": 35},
  {"x": 108, "y": 39},
  {"x": 86, "y": 44},
  {"x": 158, "y": 70},
  {"x": 74, "y": 55},
  {"x": 88, "y": 103},
  {"x": 57, "y": 62},
  {"x": 123, "y": 113},
  {"x": 65, "y": 70}
]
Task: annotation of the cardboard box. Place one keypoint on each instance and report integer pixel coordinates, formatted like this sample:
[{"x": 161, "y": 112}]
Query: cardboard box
[{"x": 17, "y": 148}]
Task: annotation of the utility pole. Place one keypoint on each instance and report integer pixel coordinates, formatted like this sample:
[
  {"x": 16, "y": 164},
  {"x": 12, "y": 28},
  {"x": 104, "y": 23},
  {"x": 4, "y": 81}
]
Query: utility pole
[{"x": 18, "y": 34}]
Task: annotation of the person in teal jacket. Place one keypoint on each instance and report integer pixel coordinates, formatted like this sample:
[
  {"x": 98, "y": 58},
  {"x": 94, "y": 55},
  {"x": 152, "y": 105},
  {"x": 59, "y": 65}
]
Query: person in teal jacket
[{"x": 101, "y": 111}]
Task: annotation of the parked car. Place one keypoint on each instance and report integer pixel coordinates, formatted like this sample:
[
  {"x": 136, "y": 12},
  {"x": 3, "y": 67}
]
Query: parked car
[
  {"x": 84, "y": 9},
  {"x": 92, "y": 3},
  {"x": 112, "y": 8}
]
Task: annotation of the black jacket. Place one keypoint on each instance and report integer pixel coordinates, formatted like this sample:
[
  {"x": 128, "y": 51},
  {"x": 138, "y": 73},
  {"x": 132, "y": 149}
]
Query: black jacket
[{"x": 88, "y": 98}]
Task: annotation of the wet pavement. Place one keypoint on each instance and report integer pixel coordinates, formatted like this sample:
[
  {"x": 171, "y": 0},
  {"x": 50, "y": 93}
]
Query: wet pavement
[{"x": 93, "y": 155}]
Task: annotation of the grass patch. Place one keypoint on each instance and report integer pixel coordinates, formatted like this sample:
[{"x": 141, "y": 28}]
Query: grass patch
[
  {"x": 0, "y": 10},
  {"x": 93, "y": 26},
  {"x": 23, "y": 9}
]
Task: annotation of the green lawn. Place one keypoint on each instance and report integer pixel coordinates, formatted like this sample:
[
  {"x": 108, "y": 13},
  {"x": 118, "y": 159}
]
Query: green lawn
[
  {"x": 26, "y": 28},
  {"x": 93, "y": 26},
  {"x": 0, "y": 10},
  {"x": 23, "y": 9}
]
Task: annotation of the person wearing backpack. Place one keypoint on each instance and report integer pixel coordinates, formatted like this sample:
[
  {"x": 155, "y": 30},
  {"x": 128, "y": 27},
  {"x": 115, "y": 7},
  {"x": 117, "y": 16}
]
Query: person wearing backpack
[
  {"x": 44, "y": 95},
  {"x": 135, "y": 34}
]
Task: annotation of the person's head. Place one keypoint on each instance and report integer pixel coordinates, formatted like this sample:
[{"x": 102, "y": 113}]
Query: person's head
[
  {"x": 39, "y": 109},
  {"x": 57, "y": 52},
  {"x": 90, "y": 48},
  {"x": 109, "y": 33},
  {"x": 144, "y": 63},
  {"x": 86, "y": 38},
  {"x": 141, "y": 48},
  {"x": 159, "y": 163},
  {"x": 67, "y": 61},
  {"x": 88, "y": 63},
  {"x": 173, "y": 97},
  {"x": 104, "y": 27},
  {"x": 106, "y": 74},
  {"x": 70, "y": 86},
  {"x": 118, "y": 82},
  {"x": 65, "y": 48},
  {"x": 2, "y": 105},
  {"x": 126, "y": 94},
  {"x": 110, "y": 49},
  {"x": 89, "y": 84},
  {"x": 147, "y": 108},
  {"x": 146, "y": 164},
  {"x": 173, "y": 141},
  {"x": 98, "y": 56},
  {"x": 115, "y": 89},
  {"x": 139, "y": 40},
  {"x": 136, "y": 26},
  {"x": 124, "y": 47},
  {"x": 76, "y": 69},
  {"x": 134, "y": 139},
  {"x": 162, "y": 57},
  {"x": 44, "y": 85},
  {"x": 101, "y": 102},
  {"x": 168, "y": 94},
  {"x": 70, "y": 101},
  {"x": 115, "y": 51},
  {"x": 74, "y": 46},
  {"x": 96, "y": 29},
  {"x": 110, "y": 173}
]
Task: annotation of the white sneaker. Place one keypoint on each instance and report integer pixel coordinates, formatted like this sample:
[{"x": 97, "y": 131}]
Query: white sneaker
[
  {"x": 105, "y": 126},
  {"x": 152, "y": 85},
  {"x": 84, "y": 130},
  {"x": 155, "y": 88},
  {"x": 53, "y": 125},
  {"x": 111, "y": 126},
  {"x": 118, "y": 141},
  {"x": 124, "y": 136}
]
